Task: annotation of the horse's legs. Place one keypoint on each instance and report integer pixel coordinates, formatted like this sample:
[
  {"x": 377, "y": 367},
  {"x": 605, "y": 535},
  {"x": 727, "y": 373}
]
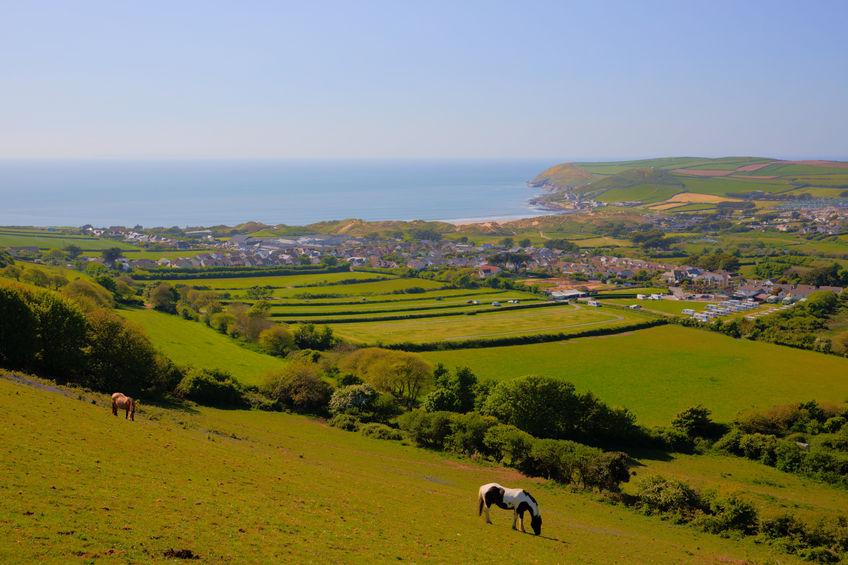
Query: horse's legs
[
  {"x": 114, "y": 408},
  {"x": 521, "y": 522},
  {"x": 514, "y": 516},
  {"x": 488, "y": 517}
]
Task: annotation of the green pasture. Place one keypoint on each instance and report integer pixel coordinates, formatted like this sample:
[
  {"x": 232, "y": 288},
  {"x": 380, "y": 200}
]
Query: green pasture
[
  {"x": 261, "y": 487},
  {"x": 658, "y": 372},
  {"x": 721, "y": 186},
  {"x": 55, "y": 240},
  {"x": 411, "y": 306},
  {"x": 646, "y": 193},
  {"x": 193, "y": 343},
  {"x": 503, "y": 323},
  {"x": 613, "y": 292}
]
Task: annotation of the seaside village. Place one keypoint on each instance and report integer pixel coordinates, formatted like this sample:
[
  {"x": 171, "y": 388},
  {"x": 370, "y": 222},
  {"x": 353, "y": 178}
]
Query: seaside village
[{"x": 569, "y": 275}]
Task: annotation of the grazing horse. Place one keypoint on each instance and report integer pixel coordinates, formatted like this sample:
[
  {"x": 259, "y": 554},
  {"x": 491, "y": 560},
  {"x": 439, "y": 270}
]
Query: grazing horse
[
  {"x": 124, "y": 402},
  {"x": 515, "y": 499}
]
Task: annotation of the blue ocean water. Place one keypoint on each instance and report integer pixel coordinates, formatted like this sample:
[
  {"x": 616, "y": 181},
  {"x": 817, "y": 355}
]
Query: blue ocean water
[{"x": 294, "y": 192}]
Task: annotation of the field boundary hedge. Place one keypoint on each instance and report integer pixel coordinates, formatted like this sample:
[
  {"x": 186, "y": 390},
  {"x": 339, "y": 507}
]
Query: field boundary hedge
[
  {"x": 231, "y": 272},
  {"x": 519, "y": 340}
]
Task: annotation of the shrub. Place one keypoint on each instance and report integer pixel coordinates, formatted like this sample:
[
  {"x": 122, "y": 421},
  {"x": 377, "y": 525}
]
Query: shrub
[
  {"x": 559, "y": 460},
  {"x": 403, "y": 375},
  {"x": 427, "y": 429},
  {"x": 759, "y": 447},
  {"x": 276, "y": 340},
  {"x": 61, "y": 336},
  {"x": 353, "y": 399},
  {"x": 467, "y": 433},
  {"x": 345, "y": 422},
  {"x": 671, "y": 439},
  {"x": 212, "y": 387},
  {"x": 695, "y": 422},
  {"x": 380, "y": 431},
  {"x": 308, "y": 336},
  {"x": 606, "y": 470},
  {"x": 659, "y": 495},
  {"x": 508, "y": 445},
  {"x": 259, "y": 401},
  {"x": 551, "y": 408},
  {"x": 732, "y": 514},
  {"x": 299, "y": 386}
]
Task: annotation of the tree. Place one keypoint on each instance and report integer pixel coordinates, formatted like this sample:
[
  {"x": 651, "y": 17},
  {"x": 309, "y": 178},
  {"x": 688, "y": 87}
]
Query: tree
[
  {"x": 18, "y": 337},
  {"x": 73, "y": 251},
  {"x": 453, "y": 392},
  {"x": 507, "y": 242},
  {"x": 36, "y": 277},
  {"x": 163, "y": 297},
  {"x": 308, "y": 336},
  {"x": 111, "y": 255},
  {"x": 694, "y": 422},
  {"x": 562, "y": 245},
  {"x": 329, "y": 260},
  {"x": 299, "y": 386},
  {"x": 259, "y": 293},
  {"x": 398, "y": 373},
  {"x": 55, "y": 257},
  {"x": 5, "y": 258},
  {"x": 525, "y": 242},
  {"x": 276, "y": 340}
]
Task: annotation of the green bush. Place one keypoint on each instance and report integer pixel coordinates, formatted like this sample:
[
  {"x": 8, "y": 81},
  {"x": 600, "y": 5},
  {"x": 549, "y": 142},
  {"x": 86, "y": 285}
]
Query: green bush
[
  {"x": 606, "y": 470},
  {"x": 345, "y": 422},
  {"x": 356, "y": 399},
  {"x": 298, "y": 386},
  {"x": 427, "y": 429},
  {"x": 508, "y": 445},
  {"x": 380, "y": 431},
  {"x": 212, "y": 387},
  {"x": 659, "y": 495},
  {"x": 467, "y": 433},
  {"x": 18, "y": 330},
  {"x": 561, "y": 460},
  {"x": 732, "y": 514},
  {"x": 547, "y": 407}
]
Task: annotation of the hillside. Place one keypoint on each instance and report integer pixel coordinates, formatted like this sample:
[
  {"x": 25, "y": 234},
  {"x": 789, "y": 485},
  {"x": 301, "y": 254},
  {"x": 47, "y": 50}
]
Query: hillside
[
  {"x": 269, "y": 487},
  {"x": 656, "y": 181}
]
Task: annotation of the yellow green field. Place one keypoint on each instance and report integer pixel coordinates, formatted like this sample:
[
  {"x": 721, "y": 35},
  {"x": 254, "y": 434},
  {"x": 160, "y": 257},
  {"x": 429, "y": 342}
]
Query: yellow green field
[
  {"x": 555, "y": 319},
  {"x": 193, "y": 343},
  {"x": 246, "y": 486},
  {"x": 658, "y": 372}
]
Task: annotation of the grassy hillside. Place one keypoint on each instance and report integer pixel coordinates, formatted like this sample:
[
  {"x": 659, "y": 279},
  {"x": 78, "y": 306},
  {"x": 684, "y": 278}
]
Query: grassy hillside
[
  {"x": 660, "y": 371},
  {"x": 269, "y": 487},
  {"x": 651, "y": 181},
  {"x": 193, "y": 343}
]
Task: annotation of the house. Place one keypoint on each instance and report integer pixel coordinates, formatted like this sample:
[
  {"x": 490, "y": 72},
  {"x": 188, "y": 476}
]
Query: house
[
  {"x": 488, "y": 270},
  {"x": 568, "y": 294}
]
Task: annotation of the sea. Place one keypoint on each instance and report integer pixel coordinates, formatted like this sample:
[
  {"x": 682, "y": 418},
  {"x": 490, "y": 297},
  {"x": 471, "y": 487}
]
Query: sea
[{"x": 293, "y": 192}]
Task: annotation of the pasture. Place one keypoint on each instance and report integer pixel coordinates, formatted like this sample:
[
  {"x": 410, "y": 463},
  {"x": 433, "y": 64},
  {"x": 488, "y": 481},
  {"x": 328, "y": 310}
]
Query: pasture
[
  {"x": 43, "y": 239},
  {"x": 556, "y": 319},
  {"x": 259, "y": 487},
  {"x": 193, "y": 343},
  {"x": 279, "y": 281},
  {"x": 658, "y": 372}
]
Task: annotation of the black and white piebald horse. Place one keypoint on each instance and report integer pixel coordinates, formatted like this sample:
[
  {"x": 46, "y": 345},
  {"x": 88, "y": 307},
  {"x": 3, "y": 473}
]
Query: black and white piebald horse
[{"x": 515, "y": 499}]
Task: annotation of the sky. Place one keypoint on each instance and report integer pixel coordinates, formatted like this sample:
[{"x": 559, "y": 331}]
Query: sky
[{"x": 431, "y": 79}]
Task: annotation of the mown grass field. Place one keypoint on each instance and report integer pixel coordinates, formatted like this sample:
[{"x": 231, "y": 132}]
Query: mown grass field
[
  {"x": 555, "y": 319},
  {"x": 674, "y": 307},
  {"x": 193, "y": 343},
  {"x": 658, "y": 372},
  {"x": 246, "y": 486}
]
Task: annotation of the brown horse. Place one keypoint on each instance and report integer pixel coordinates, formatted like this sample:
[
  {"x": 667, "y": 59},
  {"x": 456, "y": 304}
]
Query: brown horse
[{"x": 124, "y": 402}]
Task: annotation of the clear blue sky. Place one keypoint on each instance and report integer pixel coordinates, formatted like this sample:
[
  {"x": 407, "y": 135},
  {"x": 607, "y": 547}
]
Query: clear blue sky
[{"x": 567, "y": 80}]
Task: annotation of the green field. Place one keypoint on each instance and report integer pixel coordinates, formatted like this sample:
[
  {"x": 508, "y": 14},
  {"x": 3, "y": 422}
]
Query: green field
[
  {"x": 658, "y": 372},
  {"x": 675, "y": 307},
  {"x": 646, "y": 193},
  {"x": 249, "y": 486},
  {"x": 280, "y": 281},
  {"x": 556, "y": 319},
  {"x": 195, "y": 344},
  {"x": 10, "y": 237}
]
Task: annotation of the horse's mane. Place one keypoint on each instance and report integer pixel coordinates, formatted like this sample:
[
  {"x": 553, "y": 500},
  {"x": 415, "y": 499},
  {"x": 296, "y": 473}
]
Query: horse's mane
[{"x": 530, "y": 496}]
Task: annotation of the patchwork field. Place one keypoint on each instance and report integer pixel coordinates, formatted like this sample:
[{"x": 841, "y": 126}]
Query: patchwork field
[
  {"x": 660, "y": 371},
  {"x": 270, "y": 487},
  {"x": 556, "y": 319},
  {"x": 195, "y": 344},
  {"x": 280, "y": 281}
]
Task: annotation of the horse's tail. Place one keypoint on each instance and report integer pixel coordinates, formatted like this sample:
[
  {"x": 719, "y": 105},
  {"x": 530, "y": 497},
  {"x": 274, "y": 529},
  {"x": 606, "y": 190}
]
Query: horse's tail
[{"x": 480, "y": 503}]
